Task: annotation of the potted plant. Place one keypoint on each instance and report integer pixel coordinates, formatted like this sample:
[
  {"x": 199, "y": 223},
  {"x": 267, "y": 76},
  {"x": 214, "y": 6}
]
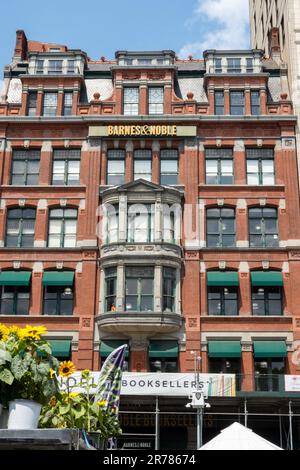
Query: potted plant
[
  {"x": 79, "y": 409},
  {"x": 27, "y": 374}
]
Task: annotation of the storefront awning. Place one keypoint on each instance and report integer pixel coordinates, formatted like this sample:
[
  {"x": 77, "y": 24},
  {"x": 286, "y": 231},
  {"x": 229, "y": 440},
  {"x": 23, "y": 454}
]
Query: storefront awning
[
  {"x": 264, "y": 349},
  {"x": 58, "y": 278},
  {"x": 109, "y": 345},
  {"x": 15, "y": 278},
  {"x": 60, "y": 347},
  {"x": 222, "y": 279},
  {"x": 163, "y": 349},
  {"x": 224, "y": 349},
  {"x": 266, "y": 278}
]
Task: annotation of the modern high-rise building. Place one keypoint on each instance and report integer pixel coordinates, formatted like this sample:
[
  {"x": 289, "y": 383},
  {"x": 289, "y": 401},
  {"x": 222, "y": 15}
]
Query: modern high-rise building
[
  {"x": 155, "y": 202},
  {"x": 275, "y": 28}
]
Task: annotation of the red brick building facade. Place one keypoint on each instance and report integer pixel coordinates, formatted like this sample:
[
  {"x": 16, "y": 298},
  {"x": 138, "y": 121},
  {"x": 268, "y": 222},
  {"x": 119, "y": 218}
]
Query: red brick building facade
[{"x": 213, "y": 137}]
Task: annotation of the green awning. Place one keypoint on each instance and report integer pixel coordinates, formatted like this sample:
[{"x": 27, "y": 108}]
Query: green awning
[
  {"x": 222, "y": 279},
  {"x": 224, "y": 349},
  {"x": 60, "y": 347},
  {"x": 58, "y": 278},
  {"x": 109, "y": 345},
  {"x": 15, "y": 278},
  {"x": 163, "y": 348},
  {"x": 266, "y": 278},
  {"x": 264, "y": 349}
]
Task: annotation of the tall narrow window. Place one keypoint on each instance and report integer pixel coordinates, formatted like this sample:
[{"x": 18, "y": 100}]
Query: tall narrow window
[
  {"x": 219, "y": 166},
  {"x": 14, "y": 300},
  {"x": 25, "y": 167},
  {"x": 263, "y": 225},
  {"x": 112, "y": 224},
  {"x": 249, "y": 65},
  {"x": 50, "y": 104},
  {"x": 39, "y": 66},
  {"x": 220, "y": 227},
  {"x": 237, "y": 103},
  {"x": 169, "y": 289},
  {"x": 260, "y": 166},
  {"x": 32, "y": 103},
  {"x": 219, "y": 103},
  {"x": 156, "y": 100},
  {"x": 20, "y": 228},
  {"x": 218, "y": 65},
  {"x": 169, "y": 224},
  {"x": 143, "y": 165},
  {"x": 168, "y": 167},
  {"x": 68, "y": 103},
  {"x": 115, "y": 167},
  {"x": 255, "y": 103},
  {"x": 139, "y": 289},
  {"x": 66, "y": 167},
  {"x": 131, "y": 101},
  {"x": 140, "y": 223},
  {"x": 62, "y": 228},
  {"x": 110, "y": 289}
]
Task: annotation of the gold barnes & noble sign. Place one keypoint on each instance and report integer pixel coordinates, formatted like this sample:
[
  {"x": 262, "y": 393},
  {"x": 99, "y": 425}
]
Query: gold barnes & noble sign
[{"x": 144, "y": 130}]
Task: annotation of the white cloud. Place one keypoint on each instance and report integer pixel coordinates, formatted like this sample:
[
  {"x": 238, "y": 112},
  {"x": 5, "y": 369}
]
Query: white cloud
[{"x": 229, "y": 20}]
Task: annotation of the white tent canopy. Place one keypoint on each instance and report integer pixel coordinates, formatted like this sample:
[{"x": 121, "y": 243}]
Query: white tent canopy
[{"x": 238, "y": 437}]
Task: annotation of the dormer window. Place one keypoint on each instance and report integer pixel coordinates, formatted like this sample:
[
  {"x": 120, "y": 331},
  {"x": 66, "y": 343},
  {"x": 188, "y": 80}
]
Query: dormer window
[
  {"x": 39, "y": 66},
  {"x": 71, "y": 66},
  {"x": 55, "y": 66},
  {"x": 218, "y": 65},
  {"x": 249, "y": 65},
  {"x": 234, "y": 65},
  {"x": 145, "y": 61}
]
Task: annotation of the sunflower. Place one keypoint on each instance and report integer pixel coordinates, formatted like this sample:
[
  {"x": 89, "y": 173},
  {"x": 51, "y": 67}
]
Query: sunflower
[
  {"x": 102, "y": 403},
  {"x": 33, "y": 332},
  {"x": 14, "y": 330},
  {"x": 4, "y": 331},
  {"x": 66, "y": 368},
  {"x": 51, "y": 373}
]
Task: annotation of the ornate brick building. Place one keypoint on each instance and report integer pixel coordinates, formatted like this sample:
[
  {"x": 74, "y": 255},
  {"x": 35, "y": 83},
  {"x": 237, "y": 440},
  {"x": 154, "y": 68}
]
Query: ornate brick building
[{"x": 152, "y": 201}]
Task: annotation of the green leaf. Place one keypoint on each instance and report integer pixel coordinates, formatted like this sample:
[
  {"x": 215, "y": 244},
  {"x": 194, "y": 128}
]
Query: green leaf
[
  {"x": 44, "y": 348},
  {"x": 64, "y": 408},
  {"x": 5, "y": 356},
  {"x": 6, "y": 376},
  {"x": 79, "y": 412},
  {"x": 18, "y": 367}
]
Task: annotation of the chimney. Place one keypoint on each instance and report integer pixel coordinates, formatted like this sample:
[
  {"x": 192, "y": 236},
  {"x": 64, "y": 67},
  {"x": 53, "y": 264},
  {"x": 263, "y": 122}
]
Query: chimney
[
  {"x": 274, "y": 45},
  {"x": 20, "y": 52}
]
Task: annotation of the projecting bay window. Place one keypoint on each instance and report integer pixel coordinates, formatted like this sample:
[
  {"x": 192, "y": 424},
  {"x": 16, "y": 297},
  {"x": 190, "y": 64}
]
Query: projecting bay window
[
  {"x": 260, "y": 166},
  {"x": 169, "y": 224},
  {"x": 140, "y": 223},
  {"x": 25, "y": 167},
  {"x": 131, "y": 101},
  {"x": 66, "y": 167},
  {"x": 32, "y": 103},
  {"x": 169, "y": 289},
  {"x": 110, "y": 289},
  {"x": 58, "y": 292},
  {"x": 156, "y": 100},
  {"x": 139, "y": 289},
  {"x": 143, "y": 165},
  {"x": 112, "y": 231},
  {"x": 68, "y": 103},
  {"x": 237, "y": 103},
  {"x": 62, "y": 228},
  {"x": 20, "y": 228},
  {"x": 14, "y": 292},
  {"x": 263, "y": 226},
  {"x": 169, "y": 167},
  {"x": 220, "y": 227},
  {"x": 50, "y": 104},
  {"x": 219, "y": 103},
  {"x": 219, "y": 166},
  {"x": 115, "y": 167}
]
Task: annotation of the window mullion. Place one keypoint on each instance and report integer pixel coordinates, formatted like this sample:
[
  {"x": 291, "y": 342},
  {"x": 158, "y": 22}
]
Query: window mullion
[
  {"x": 20, "y": 233},
  {"x": 62, "y": 233}
]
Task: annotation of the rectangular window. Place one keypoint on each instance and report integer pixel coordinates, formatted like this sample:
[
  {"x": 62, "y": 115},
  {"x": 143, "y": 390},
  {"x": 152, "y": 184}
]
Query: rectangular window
[
  {"x": 169, "y": 289},
  {"x": 267, "y": 301},
  {"x": 263, "y": 227},
  {"x": 228, "y": 365},
  {"x": 249, "y": 65},
  {"x": 260, "y": 166},
  {"x": 14, "y": 300},
  {"x": 32, "y": 103},
  {"x": 50, "y": 104},
  {"x": 143, "y": 165},
  {"x": 71, "y": 66},
  {"x": 220, "y": 227},
  {"x": 66, "y": 167},
  {"x": 115, "y": 167},
  {"x": 25, "y": 167},
  {"x": 219, "y": 166},
  {"x": 58, "y": 300},
  {"x": 218, "y": 65},
  {"x": 223, "y": 301},
  {"x": 163, "y": 364},
  {"x": 234, "y": 65},
  {"x": 255, "y": 103},
  {"x": 219, "y": 103},
  {"x": 55, "y": 67},
  {"x": 112, "y": 233},
  {"x": 68, "y": 103},
  {"x": 168, "y": 167},
  {"x": 237, "y": 103},
  {"x": 110, "y": 289},
  {"x": 269, "y": 374},
  {"x": 131, "y": 101},
  {"x": 20, "y": 228},
  {"x": 140, "y": 223},
  {"x": 156, "y": 100},
  {"x": 62, "y": 228},
  {"x": 139, "y": 289},
  {"x": 40, "y": 66},
  {"x": 169, "y": 224}
]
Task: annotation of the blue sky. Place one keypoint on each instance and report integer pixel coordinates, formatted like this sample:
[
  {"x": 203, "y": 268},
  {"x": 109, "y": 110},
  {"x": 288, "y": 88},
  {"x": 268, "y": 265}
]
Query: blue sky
[{"x": 101, "y": 27}]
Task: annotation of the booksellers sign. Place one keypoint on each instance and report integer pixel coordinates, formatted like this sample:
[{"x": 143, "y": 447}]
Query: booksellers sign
[{"x": 145, "y": 130}]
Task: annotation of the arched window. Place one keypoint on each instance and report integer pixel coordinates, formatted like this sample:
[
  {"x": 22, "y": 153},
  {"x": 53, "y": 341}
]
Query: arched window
[
  {"x": 20, "y": 227},
  {"x": 220, "y": 227},
  {"x": 263, "y": 227},
  {"x": 62, "y": 228}
]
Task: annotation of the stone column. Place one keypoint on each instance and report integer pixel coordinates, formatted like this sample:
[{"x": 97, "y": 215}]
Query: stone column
[
  {"x": 158, "y": 276},
  {"x": 122, "y": 218},
  {"x": 158, "y": 220},
  {"x": 120, "y": 300}
]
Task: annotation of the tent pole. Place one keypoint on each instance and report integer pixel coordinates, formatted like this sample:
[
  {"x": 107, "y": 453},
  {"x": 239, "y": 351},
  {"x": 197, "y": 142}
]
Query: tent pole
[
  {"x": 246, "y": 413},
  {"x": 157, "y": 437},
  {"x": 291, "y": 425}
]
